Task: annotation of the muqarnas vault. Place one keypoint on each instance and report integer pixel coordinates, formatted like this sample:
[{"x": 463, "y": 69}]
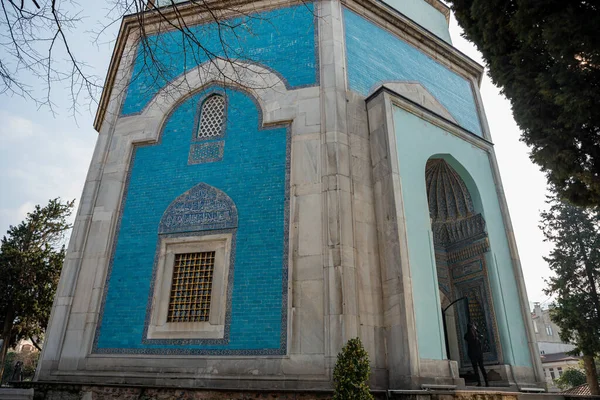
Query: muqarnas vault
[{"x": 243, "y": 219}]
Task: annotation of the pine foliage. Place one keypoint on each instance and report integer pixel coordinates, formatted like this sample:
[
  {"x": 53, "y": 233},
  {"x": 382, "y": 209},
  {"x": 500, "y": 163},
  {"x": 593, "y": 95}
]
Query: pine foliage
[
  {"x": 545, "y": 57},
  {"x": 351, "y": 373},
  {"x": 31, "y": 258}
]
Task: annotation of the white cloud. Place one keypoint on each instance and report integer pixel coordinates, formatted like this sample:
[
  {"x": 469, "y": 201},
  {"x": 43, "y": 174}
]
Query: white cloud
[
  {"x": 40, "y": 162},
  {"x": 14, "y": 128},
  {"x": 25, "y": 208}
]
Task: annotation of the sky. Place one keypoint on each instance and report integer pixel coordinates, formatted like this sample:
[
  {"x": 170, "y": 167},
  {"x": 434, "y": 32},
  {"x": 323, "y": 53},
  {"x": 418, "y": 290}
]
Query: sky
[{"x": 44, "y": 156}]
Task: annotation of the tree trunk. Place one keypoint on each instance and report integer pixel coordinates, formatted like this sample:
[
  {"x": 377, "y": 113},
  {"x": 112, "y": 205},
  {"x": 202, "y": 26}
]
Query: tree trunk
[
  {"x": 589, "y": 272},
  {"x": 591, "y": 374},
  {"x": 6, "y": 330}
]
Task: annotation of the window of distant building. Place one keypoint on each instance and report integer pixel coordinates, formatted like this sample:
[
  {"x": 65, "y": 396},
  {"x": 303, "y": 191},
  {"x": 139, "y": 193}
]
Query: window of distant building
[
  {"x": 549, "y": 330},
  {"x": 552, "y": 374},
  {"x": 560, "y": 371}
]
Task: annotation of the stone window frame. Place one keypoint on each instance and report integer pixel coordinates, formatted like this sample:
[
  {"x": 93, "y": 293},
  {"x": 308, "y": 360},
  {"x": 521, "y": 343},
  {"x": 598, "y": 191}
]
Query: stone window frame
[{"x": 214, "y": 328}]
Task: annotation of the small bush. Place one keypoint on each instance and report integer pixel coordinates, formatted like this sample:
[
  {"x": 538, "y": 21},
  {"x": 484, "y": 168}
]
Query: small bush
[
  {"x": 570, "y": 378},
  {"x": 351, "y": 373},
  {"x": 29, "y": 360},
  {"x": 9, "y": 362}
]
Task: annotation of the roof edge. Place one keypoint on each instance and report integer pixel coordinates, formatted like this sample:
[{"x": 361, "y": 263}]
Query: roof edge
[{"x": 441, "y": 7}]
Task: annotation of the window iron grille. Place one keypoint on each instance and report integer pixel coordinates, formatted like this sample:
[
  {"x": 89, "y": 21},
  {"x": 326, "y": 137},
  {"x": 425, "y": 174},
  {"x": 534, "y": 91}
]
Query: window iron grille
[
  {"x": 212, "y": 117},
  {"x": 191, "y": 287}
]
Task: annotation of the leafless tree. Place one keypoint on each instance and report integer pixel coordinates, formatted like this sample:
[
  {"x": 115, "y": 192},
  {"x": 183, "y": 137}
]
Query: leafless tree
[{"x": 35, "y": 45}]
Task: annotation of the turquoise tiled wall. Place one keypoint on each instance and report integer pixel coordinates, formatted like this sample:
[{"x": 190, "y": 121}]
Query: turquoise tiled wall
[
  {"x": 391, "y": 59},
  {"x": 418, "y": 141},
  {"x": 252, "y": 173},
  {"x": 272, "y": 39},
  {"x": 425, "y": 15}
]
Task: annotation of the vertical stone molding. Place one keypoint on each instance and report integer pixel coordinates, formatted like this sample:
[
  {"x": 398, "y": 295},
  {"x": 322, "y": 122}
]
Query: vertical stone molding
[
  {"x": 398, "y": 309},
  {"x": 342, "y": 307}
]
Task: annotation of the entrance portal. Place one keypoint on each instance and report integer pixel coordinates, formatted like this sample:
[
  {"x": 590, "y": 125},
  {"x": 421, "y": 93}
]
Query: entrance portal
[{"x": 461, "y": 245}]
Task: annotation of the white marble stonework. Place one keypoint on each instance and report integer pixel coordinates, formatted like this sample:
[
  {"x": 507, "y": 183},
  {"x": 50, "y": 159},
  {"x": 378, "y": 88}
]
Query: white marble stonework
[{"x": 349, "y": 273}]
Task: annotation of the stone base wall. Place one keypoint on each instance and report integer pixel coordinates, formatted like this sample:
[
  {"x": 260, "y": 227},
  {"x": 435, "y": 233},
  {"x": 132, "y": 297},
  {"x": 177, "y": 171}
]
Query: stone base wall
[
  {"x": 64, "y": 391},
  {"x": 45, "y": 391}
]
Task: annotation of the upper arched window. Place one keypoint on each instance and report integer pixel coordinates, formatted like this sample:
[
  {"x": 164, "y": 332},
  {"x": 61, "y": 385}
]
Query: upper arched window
[{"x": 212, "y": 117}]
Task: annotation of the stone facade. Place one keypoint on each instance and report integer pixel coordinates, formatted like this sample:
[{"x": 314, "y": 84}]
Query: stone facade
[
  {"x": 547, "y": 333},
  {"x": 308, "y": 183}
]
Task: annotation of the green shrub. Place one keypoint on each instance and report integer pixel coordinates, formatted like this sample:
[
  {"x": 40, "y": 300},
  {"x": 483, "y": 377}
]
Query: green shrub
[
  {"x": 29, "y": 360},
  {"x": 351, "y": 373},
  {"x": 9, "y": 362},
  {"x": 570, "y": 378}
]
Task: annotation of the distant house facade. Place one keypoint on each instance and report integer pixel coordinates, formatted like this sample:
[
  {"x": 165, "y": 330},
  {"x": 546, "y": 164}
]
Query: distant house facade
[
  {"x": 547, "y": 332},
  {"x": 557, "y": 363},
  {"x": 553, "y": 351},
  {"x": 25, "y": 345}
]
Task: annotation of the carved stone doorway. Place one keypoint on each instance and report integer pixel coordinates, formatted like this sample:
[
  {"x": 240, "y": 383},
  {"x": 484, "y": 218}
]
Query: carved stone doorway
[{"x": 461, "y": 248}]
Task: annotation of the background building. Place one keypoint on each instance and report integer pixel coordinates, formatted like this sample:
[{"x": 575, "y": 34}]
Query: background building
[
  {"x": 244, "y": 217},
  {"x": 25, "y": 345},
  {"x": 547, "y": 333},
  {"x": 552, "y": 349}
]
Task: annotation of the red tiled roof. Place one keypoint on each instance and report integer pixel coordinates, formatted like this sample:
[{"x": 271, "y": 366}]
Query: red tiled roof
[
  {"x": 546, "y": 358},
  {"x": 581, "y": 390}
]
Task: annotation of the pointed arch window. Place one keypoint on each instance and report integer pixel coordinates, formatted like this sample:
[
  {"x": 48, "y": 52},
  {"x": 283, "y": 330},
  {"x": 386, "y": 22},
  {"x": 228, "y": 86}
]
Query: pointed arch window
[{"x": 212, "y": 117}]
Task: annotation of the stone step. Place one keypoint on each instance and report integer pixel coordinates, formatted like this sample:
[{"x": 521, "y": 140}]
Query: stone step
[{"x": 16, "y": 394}]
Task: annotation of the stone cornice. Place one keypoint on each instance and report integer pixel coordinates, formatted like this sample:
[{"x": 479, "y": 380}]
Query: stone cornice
[
  {"x": 111, "y": 73},
  {"x": 441, "y": 7},
  {"x": 426, "y": 114}
]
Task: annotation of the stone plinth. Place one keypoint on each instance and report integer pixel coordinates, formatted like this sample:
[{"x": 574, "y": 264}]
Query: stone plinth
[
  {"x": 55, "y": 391},
  {"x": 16, "y": 394}
]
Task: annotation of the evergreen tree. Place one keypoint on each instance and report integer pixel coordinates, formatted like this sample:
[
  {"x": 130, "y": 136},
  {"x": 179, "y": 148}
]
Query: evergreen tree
[
  {"x": 351, "y": 373},
  {"x": 31, "y": 257},
  {"x": 575, "y": 261},
  {"x": 545, "y": 57}
]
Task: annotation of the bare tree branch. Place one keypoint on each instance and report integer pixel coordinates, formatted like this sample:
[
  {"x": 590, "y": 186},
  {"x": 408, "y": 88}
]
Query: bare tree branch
[{"x": 36, "y": 52}]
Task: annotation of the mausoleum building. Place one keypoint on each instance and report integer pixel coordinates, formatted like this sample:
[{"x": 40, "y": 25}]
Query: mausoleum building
[{"x": 308, "y": 173}]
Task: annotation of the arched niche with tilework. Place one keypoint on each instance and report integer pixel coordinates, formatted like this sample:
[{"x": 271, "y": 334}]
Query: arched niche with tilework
[
  {"x": 461, "y": 243},
  {"x": 201, "y": 208}
]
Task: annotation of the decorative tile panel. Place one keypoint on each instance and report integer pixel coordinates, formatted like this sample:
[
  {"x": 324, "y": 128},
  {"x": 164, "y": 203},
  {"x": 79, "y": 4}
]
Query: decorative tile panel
[
  {"x": 451, "y": 208},
  {"x": 460, "y": 243},
  {"x": 201, "y": 153},
  {"x": 461, "y": 270},
  {"x": 480, "y": 312},
  {"x": 159, "y": 175},
  {"x": 199, "y": 209}
]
